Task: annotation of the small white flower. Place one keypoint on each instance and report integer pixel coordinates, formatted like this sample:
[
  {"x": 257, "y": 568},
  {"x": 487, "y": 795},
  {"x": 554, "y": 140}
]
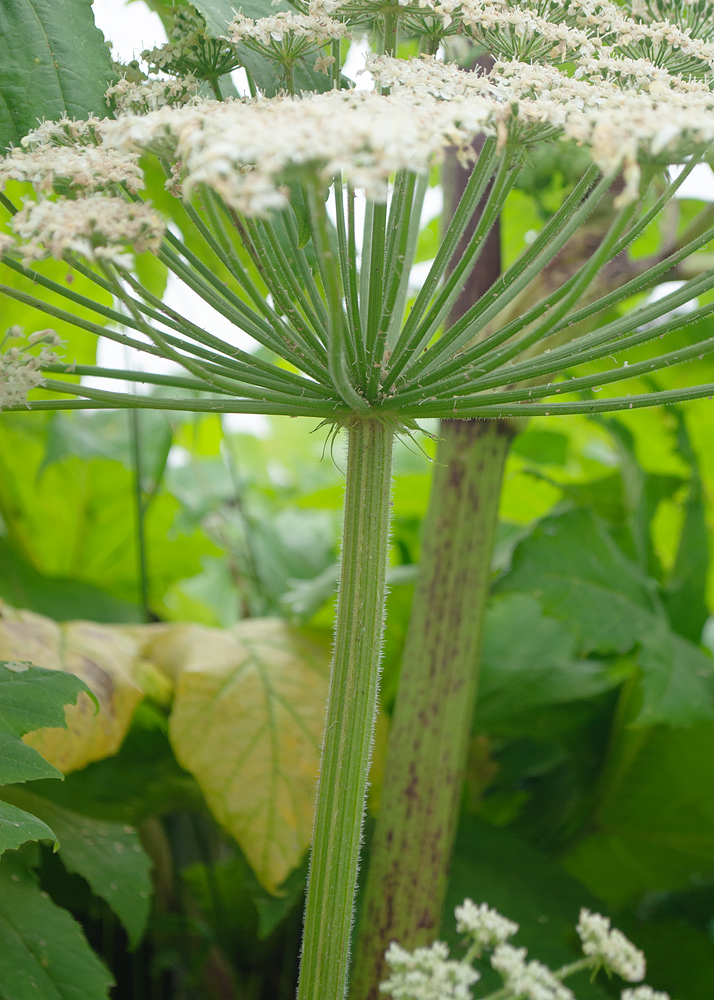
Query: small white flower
[
  {"x": 72, "y": 168},
  {"x": 610, "y": 947},
  {"x": 485, "y": 926},
  {"x": 20, "y": 370},
  {"x": 527, "y": 979},
  {"x": 149, "y": 95},
  {"x": 316, "y": 27},
  {"x": 643, "y": 993},
  {"x": 98, "y": 226},
  {"x": 427, "y": 974}
]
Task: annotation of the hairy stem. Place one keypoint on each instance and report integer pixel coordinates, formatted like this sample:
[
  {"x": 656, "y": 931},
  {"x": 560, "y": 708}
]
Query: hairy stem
[
  {"x": 412, "y": 845},
  {"x": 351, "y": 707}
]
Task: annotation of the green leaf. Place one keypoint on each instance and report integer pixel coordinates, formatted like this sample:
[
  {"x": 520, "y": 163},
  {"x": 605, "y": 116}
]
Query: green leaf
[
  {"x": 529, "y": 661},
  {"x": 272, "y": 910},
  {"x": 676, "y": 680},
  {"x": 53, "y": 61},
  {"x": 654, "y": 820},
  {"x": 74, "y": 518},
  {"x": 18, "y": 826},
  {"x": 43, "y": 952},
  {"x": 571, "y": 564},
  {"x": 247, "y": 722},
  {"x": 23, "y": 586},
  {"x": 108, "y": 855},
  {"x": 685, "y": 590},
  {"x": 680, "y": 958},
  {"x": 542, "y": 446},
  {"x": 31, "y": 698},
  {"x": 577, "y": 572}
]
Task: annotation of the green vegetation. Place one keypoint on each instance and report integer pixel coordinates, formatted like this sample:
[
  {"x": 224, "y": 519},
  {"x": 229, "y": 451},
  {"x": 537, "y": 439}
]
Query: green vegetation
[{"x": 171, "y": 585}]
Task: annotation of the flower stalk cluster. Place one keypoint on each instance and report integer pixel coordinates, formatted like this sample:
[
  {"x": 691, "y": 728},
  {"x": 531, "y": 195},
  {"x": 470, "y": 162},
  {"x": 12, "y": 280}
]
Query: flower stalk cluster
[
  {"x": 430, "y": 974},
  {"x": 20, "y": 370}
]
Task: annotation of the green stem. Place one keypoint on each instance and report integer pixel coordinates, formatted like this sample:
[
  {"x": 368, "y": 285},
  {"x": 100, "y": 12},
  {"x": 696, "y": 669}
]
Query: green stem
[
  {"x": 351, "y": 707},
  {"x": 142, "y": 563},
  {"x": 391, "y": 22},
  {"x": 327, "y": 257},
  {"x": 216, "y": 88},
  {"x": 460, "y": 220},
  {"x": 411, "y": 848}
]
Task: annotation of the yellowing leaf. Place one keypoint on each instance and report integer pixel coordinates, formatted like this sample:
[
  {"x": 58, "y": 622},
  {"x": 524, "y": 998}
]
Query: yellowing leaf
[
  {"x": 105, "y": 658},
  {"x": 247, "y": 722}
]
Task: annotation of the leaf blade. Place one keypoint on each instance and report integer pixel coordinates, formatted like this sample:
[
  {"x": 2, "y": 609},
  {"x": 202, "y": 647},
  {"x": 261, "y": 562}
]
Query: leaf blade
[
  {"x": 108, "y": 855},
  {"x": 31, "y": 697},
  {"x": 53, "y": 61},
  {"x": 263, "y": 684},
  {"x": 18, "y": 826},
  {"x": 43, "y": 953}
]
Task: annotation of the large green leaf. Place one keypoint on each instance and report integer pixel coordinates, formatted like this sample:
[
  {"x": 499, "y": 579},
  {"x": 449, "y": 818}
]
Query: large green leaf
[
  {"x": 23, "y": 586},
  {"x": 247, "y": 722},
  {"x": 18, "y": 826},
  {"x": 31, "y": 698},
  {"x": 75, "y": 518},
  {"x": 108, "y": 855},
  {"x": 528, "y": 661},
  {"x": 655, "y": 819},
  {"x": 53, "y": 61},
  {"x": 680, "y": 958},
  {"x": 574, "y": 568},
  {"x": 43, "y": 953},
  {"x": 578, "y": 573},
  {"x": 685, "y": 589}
]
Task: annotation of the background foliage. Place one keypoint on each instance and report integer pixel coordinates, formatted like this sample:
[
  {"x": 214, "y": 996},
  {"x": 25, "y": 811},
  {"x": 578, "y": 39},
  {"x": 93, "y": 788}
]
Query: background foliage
[{"x": 589, "y": 780}]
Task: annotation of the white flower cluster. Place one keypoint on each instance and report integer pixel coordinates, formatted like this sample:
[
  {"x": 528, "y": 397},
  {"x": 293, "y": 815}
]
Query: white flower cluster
[
  {"x": 643, "y": 993},
  {"x": 518, "y": 31},
  {"x": 99, "y": 227},
  {"x": 486, "y": 927},
  {"x": 427, "y": 974},
  {"x": 611, "y": 948},
  {"x": 314, "y": 27},
  {"x": 138, "y": 98},
  {"x": 662, "y": 116},
  {"x": 70, "y": 169},
  {"x": 20, "y": 370},
  {"x": 659, "y": 40},
  {"x": 65, "y": 132},
  {"x": 243, "y": 150},
  {"x": 527, "y": 979}
]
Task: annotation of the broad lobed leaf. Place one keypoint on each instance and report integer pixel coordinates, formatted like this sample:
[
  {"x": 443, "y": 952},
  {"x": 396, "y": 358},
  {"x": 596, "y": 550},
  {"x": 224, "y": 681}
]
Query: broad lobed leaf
[
  {"x": 260, "y": 689},
  {"x": 580, "y": 576},
  {"x": 53, "y": 61}
]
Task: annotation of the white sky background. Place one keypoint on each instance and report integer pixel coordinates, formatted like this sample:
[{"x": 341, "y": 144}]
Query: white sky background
[{"x": 131, "y": 28}]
